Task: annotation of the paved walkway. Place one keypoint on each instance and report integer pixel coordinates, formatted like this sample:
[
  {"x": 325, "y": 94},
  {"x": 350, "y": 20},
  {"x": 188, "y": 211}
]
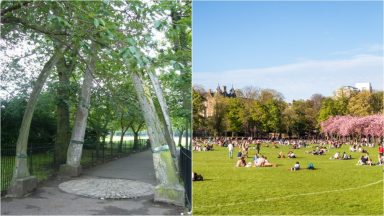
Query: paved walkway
[{"x": 48, "y": 199}]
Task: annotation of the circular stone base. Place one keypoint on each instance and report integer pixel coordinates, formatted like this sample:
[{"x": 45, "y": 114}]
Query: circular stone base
[{"x": 104, "y": 188}]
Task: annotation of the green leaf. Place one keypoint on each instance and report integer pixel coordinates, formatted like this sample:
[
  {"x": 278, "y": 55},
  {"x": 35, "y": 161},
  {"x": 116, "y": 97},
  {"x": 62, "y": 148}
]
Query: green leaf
[
  {"x": 102, "y": 23},
  {"x": 145, "y": 60},
  {"x": 110, "y": 34},
  {"x": 158, "y": 24},
  {"x": 131, "y": 41},
  {"x": 96, "y": 22},
  {"x": 132, "y": 49}
]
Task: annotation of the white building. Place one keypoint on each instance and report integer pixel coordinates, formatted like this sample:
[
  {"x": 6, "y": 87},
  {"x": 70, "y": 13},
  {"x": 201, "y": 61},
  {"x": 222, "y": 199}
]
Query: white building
[{"x": 364, "y": 86}]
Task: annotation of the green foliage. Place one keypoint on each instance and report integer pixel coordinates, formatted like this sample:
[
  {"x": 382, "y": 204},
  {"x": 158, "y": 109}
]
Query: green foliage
[
  {"x": 361, "y": 104},
  {"x": 43, "y": 125},
  {"x": 124, "y": 34},
  {"x": 328, "y": 109},
  {"x": 198, "y": 110},
  {"x": 233, "y": 114}
]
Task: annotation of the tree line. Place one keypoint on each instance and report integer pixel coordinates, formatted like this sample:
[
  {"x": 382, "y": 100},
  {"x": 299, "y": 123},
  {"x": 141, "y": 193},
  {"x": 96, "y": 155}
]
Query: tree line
[{"x": 264, "y": 113}]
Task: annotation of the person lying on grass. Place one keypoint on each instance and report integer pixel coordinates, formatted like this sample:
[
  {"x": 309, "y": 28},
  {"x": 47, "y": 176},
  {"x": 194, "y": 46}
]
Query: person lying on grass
[
  {"x": 291, "y": 154},
  {"x": 296, "y": 166},
  {"x": 318, "y": 151}
]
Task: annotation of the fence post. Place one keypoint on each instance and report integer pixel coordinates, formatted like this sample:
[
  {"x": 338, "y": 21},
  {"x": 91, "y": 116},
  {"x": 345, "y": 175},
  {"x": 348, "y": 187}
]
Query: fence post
[
  {"x": 103, "y": 151},
  {"x": 92, "y": 160},
  {"x": 111, "y": 149}
]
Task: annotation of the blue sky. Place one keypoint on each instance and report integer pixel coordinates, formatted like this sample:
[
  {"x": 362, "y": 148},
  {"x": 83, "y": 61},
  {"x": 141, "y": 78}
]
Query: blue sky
[{"x": 297, "y": 48}]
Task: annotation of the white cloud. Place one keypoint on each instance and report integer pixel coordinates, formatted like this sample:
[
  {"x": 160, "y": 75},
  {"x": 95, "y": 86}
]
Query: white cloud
[
  {"x": 367, "y": 48},
  {"x": 301, "y": 80}
]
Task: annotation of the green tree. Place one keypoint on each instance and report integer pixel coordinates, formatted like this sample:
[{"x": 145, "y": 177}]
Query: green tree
[
  {"x": 361, "y": 104},
  {"x": 233, "y": 115},
  {"x": 199, "y": 122}
]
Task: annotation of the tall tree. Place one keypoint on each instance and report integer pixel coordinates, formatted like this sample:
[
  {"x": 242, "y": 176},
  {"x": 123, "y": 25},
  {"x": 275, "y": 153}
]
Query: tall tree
[
  {"x": 361, "y": 104},
  {"x": 77, "y": 137}
]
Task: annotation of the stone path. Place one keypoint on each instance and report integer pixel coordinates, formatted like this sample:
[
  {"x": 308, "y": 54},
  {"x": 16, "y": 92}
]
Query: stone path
[
  {"x": 104, "y": 188},
  {"x": 48, "y": 199}
]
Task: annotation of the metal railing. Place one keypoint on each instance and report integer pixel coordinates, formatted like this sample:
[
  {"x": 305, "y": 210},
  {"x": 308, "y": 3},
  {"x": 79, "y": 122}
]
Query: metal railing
[
  {"x": 186, "y": 174},
  {"x": 41, "y": 159}
]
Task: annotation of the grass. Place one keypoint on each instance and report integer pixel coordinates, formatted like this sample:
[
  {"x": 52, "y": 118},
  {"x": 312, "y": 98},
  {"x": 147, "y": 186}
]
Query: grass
[{"x": 279, "y": 191}]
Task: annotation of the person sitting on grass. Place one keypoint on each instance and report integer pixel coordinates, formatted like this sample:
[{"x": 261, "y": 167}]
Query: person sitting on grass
[
  {"x": 352, "y": 148},
  {"x": 268, "y": 164},
  {"x": 197, "y": 177},
  {"x": 336, "y": 156},
  {"x": 255, "y": 159},
  {"x": 311, "y": 166},
  {"x": 281, "y": 155},
  {"x": 296, "y": 166},
  {"x": 291, "y": 154},
  {"x": 346, "y": 157},
  {"x": 363, "y": 160},
  {"x": 241, "y": 162},
  {"x": 370, "y": 162},
  {"x": 260, "y": 161},
  {"x": 239, "y": 154}
]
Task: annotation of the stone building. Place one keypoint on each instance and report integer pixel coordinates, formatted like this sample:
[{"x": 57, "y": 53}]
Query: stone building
[
  {"x": 211, "y": 97},
  {"x": 348, "y": 91}
]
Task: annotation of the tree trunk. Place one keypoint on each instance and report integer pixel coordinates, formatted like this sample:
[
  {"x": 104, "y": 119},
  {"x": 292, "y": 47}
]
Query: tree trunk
[
  {"x": 122, "y": 139},
  {"x": 77, "y": 138},
  {"x": 181, "y": 132},
  {"x": 136, "y": 140},
  {"x": 111, "y": 137},
  {"x": 165, "y": 114},
  {"x": 165, "y": 168},
  {"x": 62, "y": 109},
  {"x": 21, "y": 168}
]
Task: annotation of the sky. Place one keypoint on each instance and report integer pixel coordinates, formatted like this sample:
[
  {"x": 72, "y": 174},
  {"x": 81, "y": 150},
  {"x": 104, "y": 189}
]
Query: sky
[{"x": 297, "y": 48}]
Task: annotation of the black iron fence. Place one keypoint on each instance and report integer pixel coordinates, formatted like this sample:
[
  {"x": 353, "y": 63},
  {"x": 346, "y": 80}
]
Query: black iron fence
[
  {"x": 186, "y": 174},
  {"x": 41, "y": 159}
]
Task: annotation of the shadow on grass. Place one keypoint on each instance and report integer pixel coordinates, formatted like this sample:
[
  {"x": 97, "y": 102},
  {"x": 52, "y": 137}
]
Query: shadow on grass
[{"x": 204, "y": 180}]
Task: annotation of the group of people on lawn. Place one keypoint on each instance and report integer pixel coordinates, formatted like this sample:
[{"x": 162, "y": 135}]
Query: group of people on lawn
[
  {"x": 258, "y": 161},
  {"x": 261, "y": 161}
]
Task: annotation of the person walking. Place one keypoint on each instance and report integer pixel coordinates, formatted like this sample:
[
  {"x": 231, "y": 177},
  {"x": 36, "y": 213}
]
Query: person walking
[
  {"x": 258, "y": 147},
  {"x": 230, "y": 149}
]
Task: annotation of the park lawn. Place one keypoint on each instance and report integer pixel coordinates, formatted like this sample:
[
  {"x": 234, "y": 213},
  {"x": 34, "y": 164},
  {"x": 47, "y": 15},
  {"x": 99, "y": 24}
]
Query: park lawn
[{"x": 227, "y": 189}]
